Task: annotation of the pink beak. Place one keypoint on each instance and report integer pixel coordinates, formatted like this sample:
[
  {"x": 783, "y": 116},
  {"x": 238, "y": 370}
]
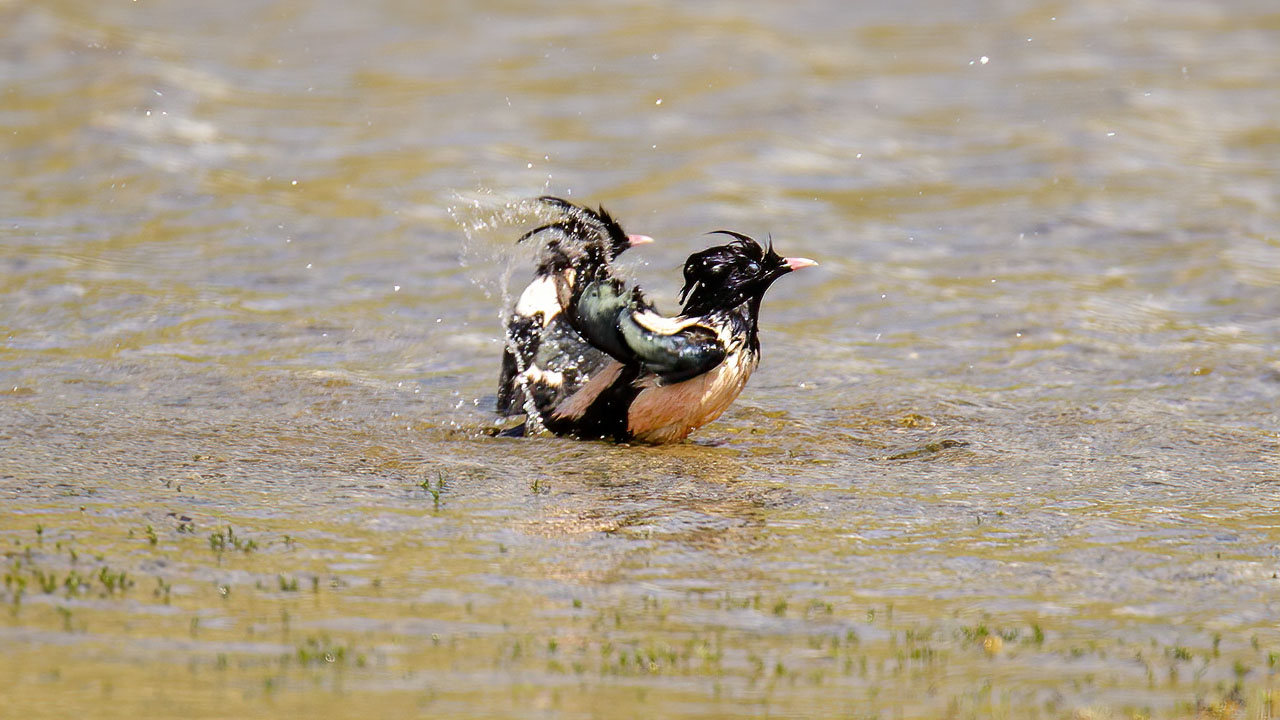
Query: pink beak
[
  {"x": 639, "y": 240},
  {"x": 797, "y": 263}
]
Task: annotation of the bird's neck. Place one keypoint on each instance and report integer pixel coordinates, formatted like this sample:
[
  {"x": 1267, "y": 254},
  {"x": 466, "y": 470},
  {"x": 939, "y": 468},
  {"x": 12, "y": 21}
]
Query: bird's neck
[{"x": 752, "y": 308}]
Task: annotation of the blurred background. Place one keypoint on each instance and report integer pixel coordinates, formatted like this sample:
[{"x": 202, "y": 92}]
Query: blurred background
[{"x": 1011, "y": 451}]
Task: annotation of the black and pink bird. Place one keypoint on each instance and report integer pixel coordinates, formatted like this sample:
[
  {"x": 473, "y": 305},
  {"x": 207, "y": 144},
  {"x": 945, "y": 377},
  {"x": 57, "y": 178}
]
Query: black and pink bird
[
  {"x": 601, "y": 362},
  {"x": 544, "y": 357}
]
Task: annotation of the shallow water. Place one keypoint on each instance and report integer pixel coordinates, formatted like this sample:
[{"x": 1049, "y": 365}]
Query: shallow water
[{"x": 1012, "y": 449}]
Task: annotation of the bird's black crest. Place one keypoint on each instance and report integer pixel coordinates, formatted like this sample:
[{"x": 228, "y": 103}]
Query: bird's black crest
[
  {"x": 584, "y": 233},
  {"x": 724, "y": 276}
]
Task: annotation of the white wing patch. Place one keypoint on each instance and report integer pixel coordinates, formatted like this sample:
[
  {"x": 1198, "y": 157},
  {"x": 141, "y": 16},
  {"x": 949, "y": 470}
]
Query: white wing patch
[
  {"x": 537, "y": 376},
  {"x": 655, "y": 323},
  {"x": 540, "y": 297}
]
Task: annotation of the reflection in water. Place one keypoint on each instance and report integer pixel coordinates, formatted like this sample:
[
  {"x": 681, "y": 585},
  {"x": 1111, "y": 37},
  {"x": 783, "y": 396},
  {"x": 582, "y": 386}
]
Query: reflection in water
[
  {"x": 693, "y": 496},
  {"x": 247, "y": 358}
]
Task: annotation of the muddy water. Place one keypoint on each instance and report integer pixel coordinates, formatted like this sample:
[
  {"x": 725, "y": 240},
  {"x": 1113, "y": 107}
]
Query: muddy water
[{"x": 1012, "y": 449}]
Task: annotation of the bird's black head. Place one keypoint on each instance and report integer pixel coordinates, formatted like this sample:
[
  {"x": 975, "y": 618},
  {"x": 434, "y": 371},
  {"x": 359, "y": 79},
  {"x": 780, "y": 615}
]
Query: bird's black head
[
  {"x": 617, "y": 238},
  {"x": 725, "y": 276},
  {"x": 583, "y": 237}
]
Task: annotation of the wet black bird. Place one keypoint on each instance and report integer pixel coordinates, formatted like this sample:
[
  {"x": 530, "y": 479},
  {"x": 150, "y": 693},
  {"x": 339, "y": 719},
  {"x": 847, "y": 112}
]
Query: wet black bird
[
  {"x": 544, "y": 356},
  {"x": 660, "y": 378}
]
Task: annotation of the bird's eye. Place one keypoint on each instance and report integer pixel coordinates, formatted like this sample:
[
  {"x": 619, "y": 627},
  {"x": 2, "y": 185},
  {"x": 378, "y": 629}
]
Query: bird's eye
[{"x": 753, "y": 268}]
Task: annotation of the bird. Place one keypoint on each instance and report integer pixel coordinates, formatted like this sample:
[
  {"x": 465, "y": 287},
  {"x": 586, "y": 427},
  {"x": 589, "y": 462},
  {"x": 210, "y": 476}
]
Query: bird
[
  {"x": 655, "y": 379},
  {"x": 543, "y": 356}
]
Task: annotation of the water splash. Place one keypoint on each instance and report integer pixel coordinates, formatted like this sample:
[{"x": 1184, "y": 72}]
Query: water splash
[
  {"x": 491, "y": 225},
  {"x": 565, "y": 362}
]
